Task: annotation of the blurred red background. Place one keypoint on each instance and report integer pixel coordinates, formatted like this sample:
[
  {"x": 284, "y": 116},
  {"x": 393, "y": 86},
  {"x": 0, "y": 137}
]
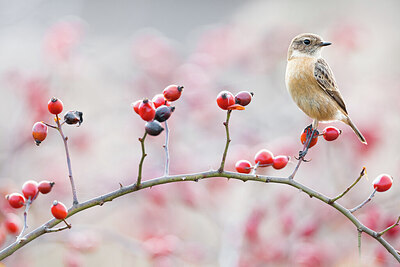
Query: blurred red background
[{"x": 99, "y": 57}]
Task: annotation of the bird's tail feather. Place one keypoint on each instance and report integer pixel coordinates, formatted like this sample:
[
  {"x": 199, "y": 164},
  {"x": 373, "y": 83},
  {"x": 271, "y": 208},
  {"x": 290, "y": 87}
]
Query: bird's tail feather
[{"x": 356, "y": 131}]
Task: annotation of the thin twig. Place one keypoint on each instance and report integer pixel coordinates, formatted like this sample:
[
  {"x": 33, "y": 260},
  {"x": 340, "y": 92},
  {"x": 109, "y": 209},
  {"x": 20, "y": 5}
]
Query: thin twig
[
  {"x": 365, "y": 202},
  {"x": 166, "y": 171},
  {"x": 97, "y": 201},
  {"x": 255, "y": 168},
  {"x": 139, "y": 178},
  {"x": 51, "y": 126},
  {"x": 390, "y": 227},
  {"x": 362, "y": 173},
  {"x": 228, "y": 140},
  {"x": 50, "y": 230},
  {"x": 71, "y": 178},
  {"x": 27, "y": 206},
  {"x": 359, "y": 243}
]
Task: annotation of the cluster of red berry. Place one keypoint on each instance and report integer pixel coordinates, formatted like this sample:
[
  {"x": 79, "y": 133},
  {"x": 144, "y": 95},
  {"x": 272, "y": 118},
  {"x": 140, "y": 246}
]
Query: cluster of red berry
[
  {"x": 263, "y": 158},
  {"x": 30, "y": 191},
  {"x": 227, "y": 101},
  {"x": 158, "y": 109},
  {"x": 55, "y": 106},
  {"x": 330, "y": 133}
]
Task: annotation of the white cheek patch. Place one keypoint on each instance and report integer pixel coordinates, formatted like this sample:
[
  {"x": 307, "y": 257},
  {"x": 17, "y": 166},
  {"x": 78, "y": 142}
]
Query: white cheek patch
[{"x": 297, "y": 53}]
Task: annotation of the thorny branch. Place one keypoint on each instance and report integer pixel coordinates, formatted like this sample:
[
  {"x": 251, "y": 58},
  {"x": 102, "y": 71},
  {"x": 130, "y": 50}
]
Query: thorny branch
[{"x": 100, "y": 200}]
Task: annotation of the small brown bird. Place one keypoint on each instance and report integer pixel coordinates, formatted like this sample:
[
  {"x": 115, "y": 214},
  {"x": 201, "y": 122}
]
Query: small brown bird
[{"x": 311, "y": 84}]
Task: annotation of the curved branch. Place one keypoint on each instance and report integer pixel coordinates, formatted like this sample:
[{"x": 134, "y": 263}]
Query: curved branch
[{"x": 100, "y": 200}]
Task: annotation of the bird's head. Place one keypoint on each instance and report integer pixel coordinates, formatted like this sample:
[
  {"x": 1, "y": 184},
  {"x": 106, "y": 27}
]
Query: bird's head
[{"x": 306, "y": 45}]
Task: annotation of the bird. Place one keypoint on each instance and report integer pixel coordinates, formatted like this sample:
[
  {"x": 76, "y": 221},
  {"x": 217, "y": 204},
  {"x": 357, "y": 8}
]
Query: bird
[{"x": 311, "y": 83}]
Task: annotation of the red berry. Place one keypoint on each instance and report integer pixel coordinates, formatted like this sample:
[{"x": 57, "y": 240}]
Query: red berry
[
  {"x": 15, "y": 200},
  {"x": 243, "y": 166},
  {"x": 264, "y": 157},
  {"x": 225, "y": 99},
  {"x": 147, "y": 110},
  {"x": 55, "y": 106},
  {"x": 280, "y": 162},
  {"x": 12, "y": 223},
  {"x": 30, "y": 189},
  {"x": 59, "y": 210},
  {"x": 159, "y": 100},
  {"x": 172, "y": 92},
  {"x": 136, "y": 106},
  {"x": 243, "y": 98},
  {"x": 331, "y": 133},
  {"x": 314, "y": 140},
  {"x": 45, "y": 187},
  {"x": 39, "y": 132},
  {"x": 383, "y": 182}
]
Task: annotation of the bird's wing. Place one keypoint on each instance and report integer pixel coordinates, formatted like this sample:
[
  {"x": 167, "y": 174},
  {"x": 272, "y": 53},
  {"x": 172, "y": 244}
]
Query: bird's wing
[{"x": 325, "y": 79}]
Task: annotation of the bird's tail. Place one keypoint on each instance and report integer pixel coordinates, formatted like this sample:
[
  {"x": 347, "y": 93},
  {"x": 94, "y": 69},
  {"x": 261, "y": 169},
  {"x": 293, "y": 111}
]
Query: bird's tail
[{"x": 356, "y": 131}]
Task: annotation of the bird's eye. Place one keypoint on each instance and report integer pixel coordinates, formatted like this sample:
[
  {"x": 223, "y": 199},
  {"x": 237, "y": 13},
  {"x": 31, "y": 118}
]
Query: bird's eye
[{"x": 306, "y": 41}]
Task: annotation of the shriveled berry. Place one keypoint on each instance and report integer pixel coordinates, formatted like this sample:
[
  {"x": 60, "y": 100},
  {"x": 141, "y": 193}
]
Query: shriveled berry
[
  {"x": 314, "y": 140},
  {"x": 153, "y": 128},
  {"x": 147, "y": 110},
  {"x": 135, "y": 106},
  {"x": 383, "y": 182},
  {"x": 30, "y": 189},
  {"x": 280, "y": 162},
  {"x": 73, "y": 117},
  {"x": 59, "y": 210},
  {"x": 264, "y": 157},
  {"x": 172, "y": 92},
  {"x": 243, "y": 166},
  {"x": 12, "y": 223},
  {"x": 16, "y": 200},
  {"x": 243, "y": 98},
  {"x": 225, "y": 99},
  {"x": 45, "y": 187},
  {"x": 331, "y": 133},
  {"x": 39, "y": 132},
  {"x": 163, "y": 113},
  {"x": 55, "y": 106},
  {"x": 159, "y": 100}
]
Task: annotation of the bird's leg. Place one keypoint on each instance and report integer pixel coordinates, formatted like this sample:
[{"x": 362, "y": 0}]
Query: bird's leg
[{"x": 311, "y": 133}]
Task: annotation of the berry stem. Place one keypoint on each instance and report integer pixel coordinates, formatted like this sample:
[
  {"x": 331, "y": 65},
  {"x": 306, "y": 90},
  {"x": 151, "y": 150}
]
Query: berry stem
[
  {"x": 71, "y": 178},
  {"x": 253, "y": 172},
  {"x": 166, "y": 172},
  {"x": 49, "y": 230},
  {"x": 365, "y": 202},
  {"x": 139, "y": 178},
  {"x": 228, "y": 140},
  {"x": 390, "y": 227},
  {"x": 362, "y": 173},
  {"x": 27, "y": 206}
]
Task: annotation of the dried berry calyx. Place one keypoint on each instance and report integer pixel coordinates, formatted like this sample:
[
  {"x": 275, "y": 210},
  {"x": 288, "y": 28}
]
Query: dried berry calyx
[{"x": 73, "y": 117}]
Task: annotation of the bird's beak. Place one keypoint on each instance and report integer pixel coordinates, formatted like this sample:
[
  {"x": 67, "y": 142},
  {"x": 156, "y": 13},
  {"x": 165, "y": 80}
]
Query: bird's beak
[{"x": 325, "y": 43}]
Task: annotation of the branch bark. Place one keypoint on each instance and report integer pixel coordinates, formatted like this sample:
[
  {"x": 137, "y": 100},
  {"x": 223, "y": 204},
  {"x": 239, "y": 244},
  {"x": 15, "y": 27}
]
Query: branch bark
[{"x": 100, "y": 200}]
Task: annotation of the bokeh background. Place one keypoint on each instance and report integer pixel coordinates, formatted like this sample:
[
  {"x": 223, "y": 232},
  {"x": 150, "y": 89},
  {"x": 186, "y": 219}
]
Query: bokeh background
[{"x": 100, "y": 56}]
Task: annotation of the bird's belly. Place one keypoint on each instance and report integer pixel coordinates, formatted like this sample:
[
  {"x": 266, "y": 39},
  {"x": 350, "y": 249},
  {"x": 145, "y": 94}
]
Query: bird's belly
[{"x": 311, "y": 99}]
